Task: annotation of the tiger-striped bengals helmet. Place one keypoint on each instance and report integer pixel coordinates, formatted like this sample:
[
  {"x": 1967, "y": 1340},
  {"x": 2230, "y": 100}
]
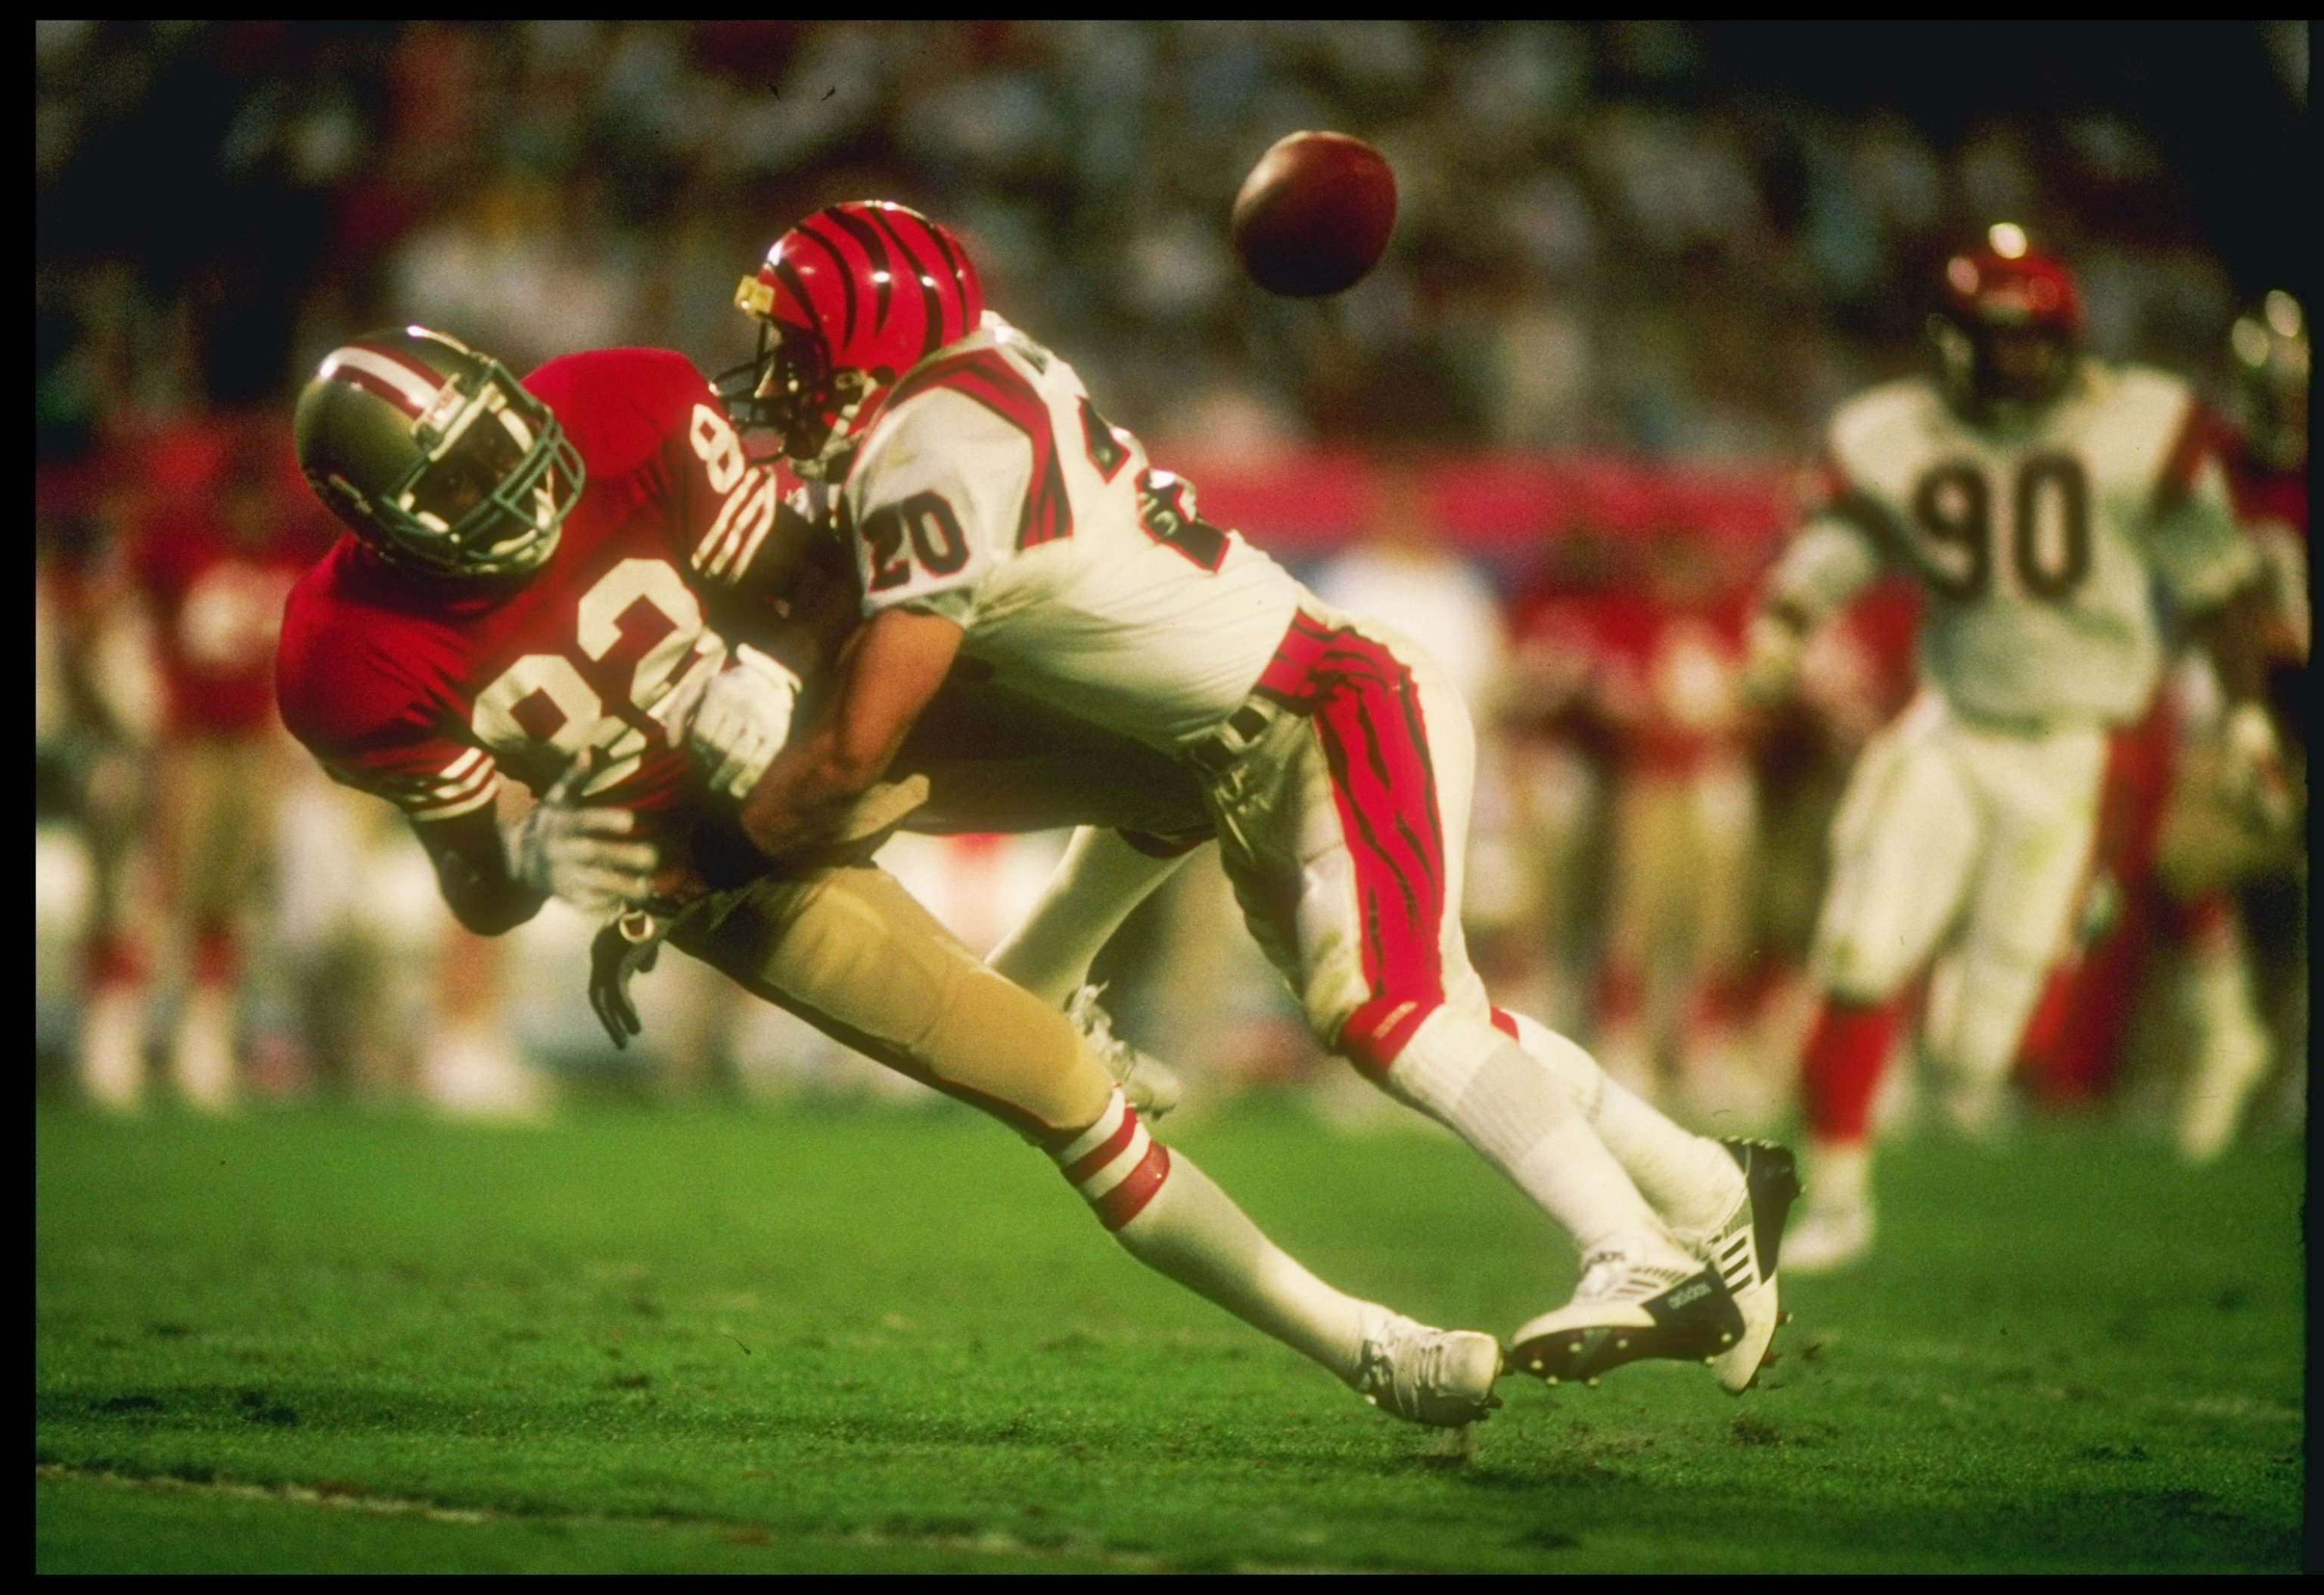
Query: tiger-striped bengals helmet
[{"x": 847, "y": 302}]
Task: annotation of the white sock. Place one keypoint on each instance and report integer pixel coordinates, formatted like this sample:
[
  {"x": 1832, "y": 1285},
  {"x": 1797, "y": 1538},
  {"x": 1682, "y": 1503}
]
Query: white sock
[
  {"x": 1100, "y": 880},
  {"x": 1690, "y": 1179},
  {"x": 2218, "y": 995},
  {"x": 1168, "y": 1215},
  {"x": 1839, "y": 1175},
  {"x": 112, "y": 1057},
  {"x": 1472, "y": 1078},
  {"x": 201, "y": 1054}
]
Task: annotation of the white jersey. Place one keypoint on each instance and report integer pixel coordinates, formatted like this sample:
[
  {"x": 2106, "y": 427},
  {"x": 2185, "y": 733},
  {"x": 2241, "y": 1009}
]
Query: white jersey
[
  {"x": 2041, "y": 548},
  {"x": 993, "y": 494}
]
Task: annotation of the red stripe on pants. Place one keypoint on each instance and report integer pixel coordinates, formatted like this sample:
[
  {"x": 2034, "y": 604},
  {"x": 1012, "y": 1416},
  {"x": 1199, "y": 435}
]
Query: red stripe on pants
[{"x": 1366, "y": 711}]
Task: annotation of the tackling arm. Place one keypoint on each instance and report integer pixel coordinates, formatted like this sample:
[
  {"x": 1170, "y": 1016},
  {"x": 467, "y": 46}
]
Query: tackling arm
[
  {"x": 886, "y": 673},
  {"x": 494, "y": 874},
  {"x": 472, "y": 872}
]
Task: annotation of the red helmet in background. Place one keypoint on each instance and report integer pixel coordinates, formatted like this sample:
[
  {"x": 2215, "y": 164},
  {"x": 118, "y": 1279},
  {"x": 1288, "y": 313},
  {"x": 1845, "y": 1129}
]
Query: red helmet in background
[
  {"x": 2008, "y": 329},
  {"x": 848, "y": 301}
]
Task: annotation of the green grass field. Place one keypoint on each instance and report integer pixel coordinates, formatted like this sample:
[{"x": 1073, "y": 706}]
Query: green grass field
[{"x": 712, "y": 1341}]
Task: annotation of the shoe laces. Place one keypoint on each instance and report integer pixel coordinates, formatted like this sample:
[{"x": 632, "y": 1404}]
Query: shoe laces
[
  {"x": 1609, "y": 1274},
  {"x": 1096, "y": 1026},
  {"x": 1393, "y": 1344}
]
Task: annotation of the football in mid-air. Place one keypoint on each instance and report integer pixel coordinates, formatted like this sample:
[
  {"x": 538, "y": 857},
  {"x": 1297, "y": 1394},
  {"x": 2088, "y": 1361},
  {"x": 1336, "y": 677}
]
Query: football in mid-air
[{"x": 1315, "y": 215}]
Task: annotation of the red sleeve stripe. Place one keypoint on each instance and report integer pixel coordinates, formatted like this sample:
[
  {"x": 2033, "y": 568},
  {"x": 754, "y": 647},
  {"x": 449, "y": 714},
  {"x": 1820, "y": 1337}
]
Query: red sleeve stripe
[
  {"x": 446, "y": 799},
  {"x": 986, "y": 376}
]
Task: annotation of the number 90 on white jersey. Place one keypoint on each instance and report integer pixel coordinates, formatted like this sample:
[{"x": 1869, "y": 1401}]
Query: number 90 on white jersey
[{"x": 2043, "y": 551}]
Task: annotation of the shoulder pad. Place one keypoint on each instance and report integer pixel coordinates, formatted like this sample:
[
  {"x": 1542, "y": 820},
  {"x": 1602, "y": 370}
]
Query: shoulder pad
[
  {"x": 1863, "y": 424},
  {"x": 618, "y": 406}
]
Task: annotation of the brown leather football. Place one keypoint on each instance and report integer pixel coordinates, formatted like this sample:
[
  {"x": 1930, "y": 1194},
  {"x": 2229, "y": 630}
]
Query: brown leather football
[{"x": 1315, "y": 215}]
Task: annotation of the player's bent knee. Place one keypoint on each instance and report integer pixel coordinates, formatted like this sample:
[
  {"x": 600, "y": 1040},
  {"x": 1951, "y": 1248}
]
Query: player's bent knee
[
  {"x": 852, "y": 951},
  {"x": 1377, "y": 1032},
  {"x": 1002, "y": 1043}
]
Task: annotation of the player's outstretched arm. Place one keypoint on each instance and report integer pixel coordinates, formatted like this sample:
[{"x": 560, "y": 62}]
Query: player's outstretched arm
[
  {"x": 887, "y": 673},
  {"x": 472, "y": 872},
  {"x": 2234, "y": 632},
  {"x": 496, "y": 875}
]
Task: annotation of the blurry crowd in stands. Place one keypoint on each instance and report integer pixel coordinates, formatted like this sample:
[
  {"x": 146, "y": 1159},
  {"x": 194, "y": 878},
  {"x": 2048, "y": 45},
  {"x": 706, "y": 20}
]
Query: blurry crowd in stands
[{"x": 1554, "y": 436}]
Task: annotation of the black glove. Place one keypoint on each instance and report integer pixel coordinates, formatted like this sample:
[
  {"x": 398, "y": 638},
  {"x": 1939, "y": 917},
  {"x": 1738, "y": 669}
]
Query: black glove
[{"x": 628, "y": 944}]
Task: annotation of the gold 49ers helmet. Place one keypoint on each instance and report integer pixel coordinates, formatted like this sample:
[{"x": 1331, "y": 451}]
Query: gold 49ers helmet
[{"x": 433, "y": 455}]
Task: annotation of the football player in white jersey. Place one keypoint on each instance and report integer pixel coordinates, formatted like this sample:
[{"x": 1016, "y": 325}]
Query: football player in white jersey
[
  {"x": 2044, "y": 500},
  {"x": 998, "y": 521}
]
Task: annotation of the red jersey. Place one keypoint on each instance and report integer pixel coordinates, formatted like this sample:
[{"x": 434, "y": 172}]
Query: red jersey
[
  {"x": 423, "y": 691},
  {"x": 1669, "y": 675},
  {"x": 217, "y": 605}
]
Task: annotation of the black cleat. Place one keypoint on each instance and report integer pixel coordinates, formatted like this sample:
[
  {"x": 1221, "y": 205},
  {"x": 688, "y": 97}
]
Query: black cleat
[
  {"x": 1743, "y": 1251},
  {"x": 1622, "y": 1313}
]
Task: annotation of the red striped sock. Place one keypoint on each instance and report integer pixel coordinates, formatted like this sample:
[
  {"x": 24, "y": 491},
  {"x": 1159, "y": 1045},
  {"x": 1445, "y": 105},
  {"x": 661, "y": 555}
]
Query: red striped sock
[
  {"x": 1847, "y": 1051},
  {"x": 1115, "y": 1163}
]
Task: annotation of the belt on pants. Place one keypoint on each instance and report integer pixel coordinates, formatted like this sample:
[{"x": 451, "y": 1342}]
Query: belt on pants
[{"x": 1215, "y": 752}]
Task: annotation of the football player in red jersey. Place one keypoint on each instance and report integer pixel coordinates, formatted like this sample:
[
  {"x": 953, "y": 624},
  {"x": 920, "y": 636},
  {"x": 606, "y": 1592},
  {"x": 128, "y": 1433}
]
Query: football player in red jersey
[
  {"x": 996, "y": 518},
  {"x": 215, "y": 580},
  {"x": 542, "y": 579}
]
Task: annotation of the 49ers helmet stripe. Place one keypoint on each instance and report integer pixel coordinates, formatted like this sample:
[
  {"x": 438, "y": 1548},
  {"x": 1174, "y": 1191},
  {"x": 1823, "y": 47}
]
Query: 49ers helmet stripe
[{"x": 373, "y": 369}]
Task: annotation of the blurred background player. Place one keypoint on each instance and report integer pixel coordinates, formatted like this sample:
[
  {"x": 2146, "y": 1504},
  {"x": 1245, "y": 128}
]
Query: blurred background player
[
  {"x": 213, "y": 566},
  {"x": 96, "y": 715},
  {"x": 2183, "y": 858},
  {"x": 2040, "y": 497},
  {"x": 1671, "y": 993}
]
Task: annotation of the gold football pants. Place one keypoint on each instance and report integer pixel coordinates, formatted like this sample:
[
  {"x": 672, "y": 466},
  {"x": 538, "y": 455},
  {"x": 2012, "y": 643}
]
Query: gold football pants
[{"x": 847, "y": 949}]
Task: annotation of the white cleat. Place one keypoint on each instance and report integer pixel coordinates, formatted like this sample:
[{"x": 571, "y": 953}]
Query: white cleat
[
  {"x": 1624, "y": 1311},
  {"x": 1440, "y": 1377},
  {"x": 1149, "y": 1084},
  {"x": 1744, "y": 1248},
  {"x": 1829, "y": 1239}
]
